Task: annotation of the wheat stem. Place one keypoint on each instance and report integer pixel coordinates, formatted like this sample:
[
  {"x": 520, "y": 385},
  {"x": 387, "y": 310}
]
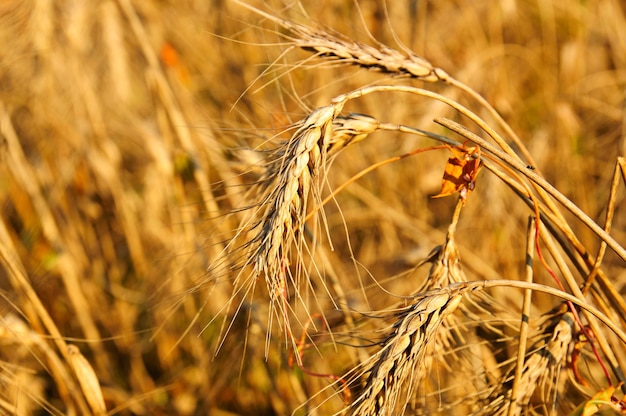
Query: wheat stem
[{"x": 523, "y": 331}]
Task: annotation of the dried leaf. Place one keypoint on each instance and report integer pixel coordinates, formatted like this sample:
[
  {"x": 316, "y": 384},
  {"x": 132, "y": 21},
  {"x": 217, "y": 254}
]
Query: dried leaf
[{"x": 460, "y": 172}]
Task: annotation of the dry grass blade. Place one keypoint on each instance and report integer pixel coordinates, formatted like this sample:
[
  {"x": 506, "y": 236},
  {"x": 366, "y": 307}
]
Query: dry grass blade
[
  {"x": 28, "y": 345},
  {"x": 16, "y": 330}
]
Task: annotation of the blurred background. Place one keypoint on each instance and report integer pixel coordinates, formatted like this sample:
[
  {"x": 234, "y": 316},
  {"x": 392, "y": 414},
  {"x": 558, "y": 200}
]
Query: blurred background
[{"x": 130, "y": 133}]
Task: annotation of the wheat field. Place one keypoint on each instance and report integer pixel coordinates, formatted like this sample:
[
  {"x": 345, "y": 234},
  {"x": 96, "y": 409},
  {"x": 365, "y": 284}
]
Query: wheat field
[{"x": 358, "y": 207}]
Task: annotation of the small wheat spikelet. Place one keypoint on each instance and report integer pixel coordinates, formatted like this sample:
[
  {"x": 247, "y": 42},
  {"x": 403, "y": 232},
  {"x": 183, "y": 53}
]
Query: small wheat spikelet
[{"x": 446, "y": 265}]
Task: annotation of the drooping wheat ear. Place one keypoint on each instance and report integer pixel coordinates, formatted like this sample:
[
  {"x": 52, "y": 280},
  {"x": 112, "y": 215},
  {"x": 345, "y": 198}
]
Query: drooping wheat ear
[
  {"x": 291, "y": 178},
  {"x": 290, "y": 182},
  {"x": 403, "y": 362},
  {"x": 396, "y": 368}
]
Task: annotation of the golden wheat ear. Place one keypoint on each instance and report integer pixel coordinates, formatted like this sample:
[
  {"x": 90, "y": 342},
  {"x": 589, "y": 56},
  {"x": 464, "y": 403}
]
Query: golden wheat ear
[
  {"x": 290, "y": 184},
  {"x": 403, "y": 362},
  {"x": 395, "y": 371}
]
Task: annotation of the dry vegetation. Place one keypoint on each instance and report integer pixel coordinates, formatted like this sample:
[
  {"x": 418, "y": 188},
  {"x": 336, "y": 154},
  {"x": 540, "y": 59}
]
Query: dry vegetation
[{"x": 207, "y": 209}]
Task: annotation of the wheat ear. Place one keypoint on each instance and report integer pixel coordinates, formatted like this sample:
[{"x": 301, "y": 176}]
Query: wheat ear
[
  {"x": 290, "y": 182},
  {"x": 291, "y": 178},
  {"x": 401, "y": 364},
  {"x": 334, "y": 46},
  {"x": 395, "y": 368},
  {"x": 540, "y": 370}
]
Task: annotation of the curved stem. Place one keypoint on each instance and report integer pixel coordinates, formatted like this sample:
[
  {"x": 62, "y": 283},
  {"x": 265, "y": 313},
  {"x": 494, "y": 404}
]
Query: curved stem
[{"x": 483, "y": 284}]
